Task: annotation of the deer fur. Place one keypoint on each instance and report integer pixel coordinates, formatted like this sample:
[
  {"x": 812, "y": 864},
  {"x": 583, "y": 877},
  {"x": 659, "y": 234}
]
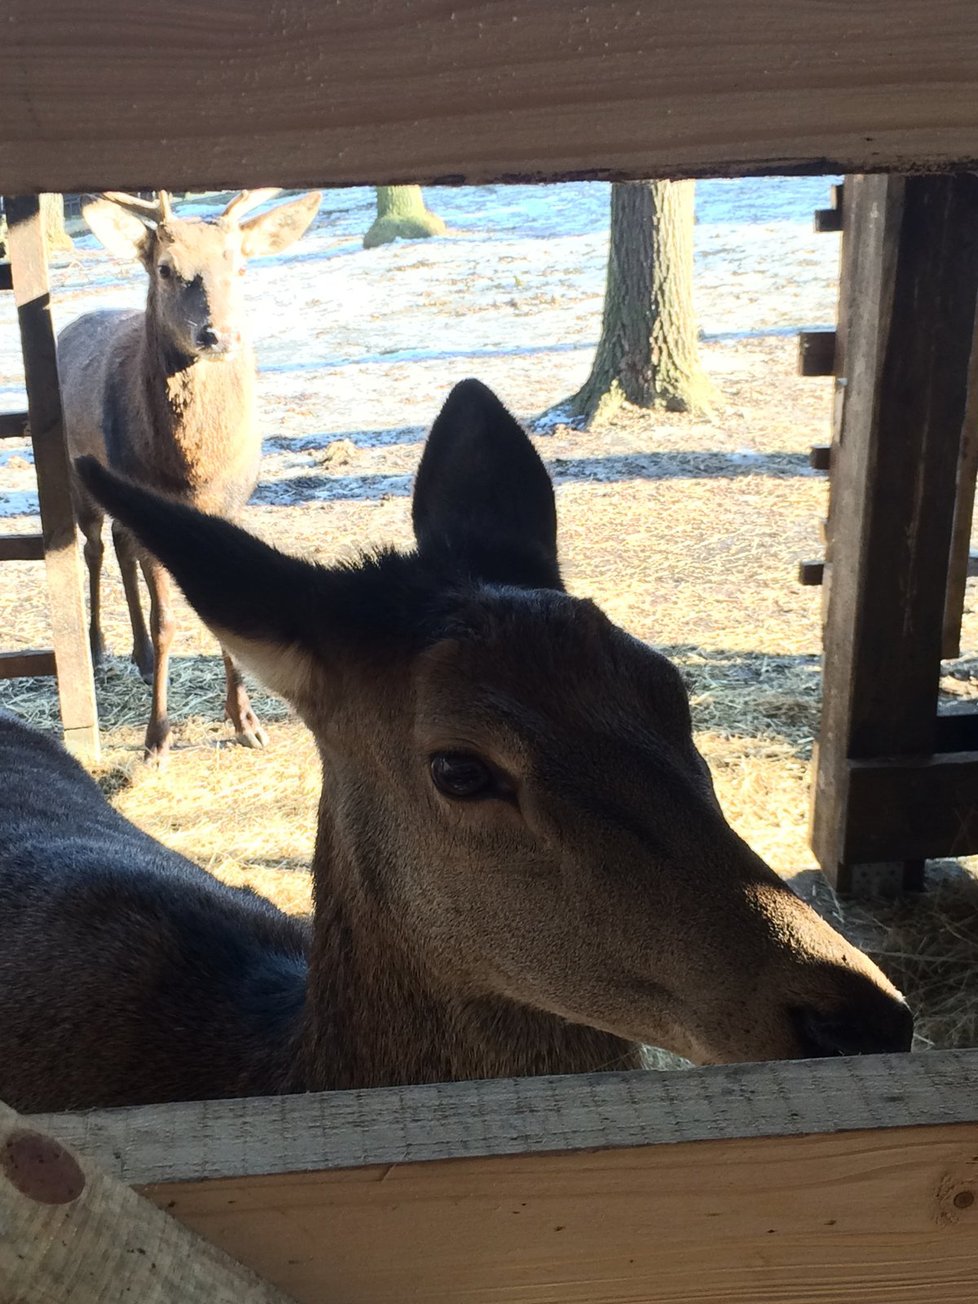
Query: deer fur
[
  {"x": 166, "y": 397},
  {"x": 520, "y": 865}
]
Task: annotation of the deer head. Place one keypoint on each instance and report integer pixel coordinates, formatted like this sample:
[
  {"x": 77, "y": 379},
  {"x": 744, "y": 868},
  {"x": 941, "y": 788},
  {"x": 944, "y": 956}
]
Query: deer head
[
  {"x": 512, "y": 778},
  {"x": 195, "y": 266}
]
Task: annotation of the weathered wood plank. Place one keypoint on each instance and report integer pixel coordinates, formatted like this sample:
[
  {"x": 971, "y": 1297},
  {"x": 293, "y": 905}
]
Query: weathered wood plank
[
  {"x": 816, "y": 353},
  {"x": 68, "y": 1231},
  {"x": 6, "y": 280},
  {"x": 197, "y": 1140},
  {"x": 26, "y": 665},
  {"x": 110, "y": 93},
  {"x": 911, "y": 280},
  {"x": 811, "y": 573},
  {"x": 21, "y": 547},
  {"x": 76, "y": 684},
  {"x": 960, "y": 563},
  {"x": 14, "y": 425},
  {"x": 755, "y": 1184},
  {"x": 912, "y": 808}
]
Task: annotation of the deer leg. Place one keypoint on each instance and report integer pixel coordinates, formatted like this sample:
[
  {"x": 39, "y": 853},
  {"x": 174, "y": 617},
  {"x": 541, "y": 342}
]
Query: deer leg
[
  {"x": 161, "y": 625},
  {"x": 142, "y": 648},
  {"x": 91, "y": 526},
  {"x": 237, "y": 708}
]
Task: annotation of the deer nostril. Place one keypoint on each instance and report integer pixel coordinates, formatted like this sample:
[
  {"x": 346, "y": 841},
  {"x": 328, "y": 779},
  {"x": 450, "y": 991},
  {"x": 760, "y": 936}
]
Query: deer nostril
[
  {"x": 882, "y": 1027},
  {"x": 207, "y": 337}
]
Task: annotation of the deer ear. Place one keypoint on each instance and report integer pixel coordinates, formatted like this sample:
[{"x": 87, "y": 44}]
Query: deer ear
[
  {"x": 482, "y": 495},
  {"x": 271, "y": 232},
  {"x": 264, "y": 606},
  {"x": 122, "y": 233}
]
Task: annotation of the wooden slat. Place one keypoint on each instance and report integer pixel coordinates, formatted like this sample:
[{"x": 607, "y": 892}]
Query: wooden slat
[
  {"x": 911, "y": 268},
  {"x": 21, "y": 547},
  {"x": 808, "y": 1183},
  {"x": 811, "y": 573},
  {"x": 827, "y": 220},
  {"x": 71, "y": 1232},
  {"x": 907, "y": 808},
  {"x": 816, "y": 353},
  {"x": 14, "y": 425},
  {"x": 957, "y": 731},
  {"x": 820, "y": 456},
  {"x": 6, "y": 280},
  {"x": 76, "y": 685},
  {"x": 379, "y": 91},
  {"x": 960, "y": 559},
  {"x": 26, "y": 665}
]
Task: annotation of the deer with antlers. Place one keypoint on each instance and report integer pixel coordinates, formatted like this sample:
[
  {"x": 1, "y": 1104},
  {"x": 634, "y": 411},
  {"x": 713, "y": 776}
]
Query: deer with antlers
[{"x": 166, "y": 397}]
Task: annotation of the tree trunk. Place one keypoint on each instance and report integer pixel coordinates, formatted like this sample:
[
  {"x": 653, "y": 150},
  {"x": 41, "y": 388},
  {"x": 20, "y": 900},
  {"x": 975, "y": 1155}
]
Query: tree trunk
[
  {"x": 53, "y": 216},
  {"x": 401, "y": 215},
  {"x": 648, "y": 353}
]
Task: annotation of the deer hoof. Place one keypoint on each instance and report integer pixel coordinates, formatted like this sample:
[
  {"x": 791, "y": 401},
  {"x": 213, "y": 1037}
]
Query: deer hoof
[
  {"x": 143, "y": 661},
  {"x": 254, "y": 736},
  {"x": 156, "y": 749}
]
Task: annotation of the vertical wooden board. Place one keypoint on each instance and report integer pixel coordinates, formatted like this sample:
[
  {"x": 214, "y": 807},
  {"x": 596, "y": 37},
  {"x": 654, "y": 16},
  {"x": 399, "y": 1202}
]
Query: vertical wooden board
[
  {"x": 76, "y": 685},
  {"x": 868, "y": 1217},
  {"x": 911, "y": 277},
  {"x": 70, "y": 1232},
  {"x": 959, "y": 563}
]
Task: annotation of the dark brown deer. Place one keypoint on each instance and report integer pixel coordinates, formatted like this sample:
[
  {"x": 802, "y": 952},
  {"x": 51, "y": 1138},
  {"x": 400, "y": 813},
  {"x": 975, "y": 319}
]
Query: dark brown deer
[
  {"x": 167, "y": 398},
  {"x": 520, "y": 866}
]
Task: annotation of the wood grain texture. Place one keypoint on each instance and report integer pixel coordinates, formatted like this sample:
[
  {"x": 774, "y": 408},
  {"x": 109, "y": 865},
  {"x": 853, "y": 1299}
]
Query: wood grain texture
[
  {"x": 68, "y": 1232},
  {"x": 62, "y": 556},
  {"x": 198, "y": 1140},
  {"x": 129, "y": 94},
  {"x": 25, "y": 665},
  {"x": 861, "y": 1218}
]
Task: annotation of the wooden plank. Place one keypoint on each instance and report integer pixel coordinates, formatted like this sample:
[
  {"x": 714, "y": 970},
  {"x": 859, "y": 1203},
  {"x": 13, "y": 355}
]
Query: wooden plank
[
  {"x": 811, "y": 573},
  {"x": 378, "y": 91},
  {"x": 76, "y": 684},
  {"x": 957, "y": 731},
  {"x": 793, "y": 1183},
  {"x": 913, "y": 807},
  {"x": 14, "y": 425},
  {"x": 194, "y": 1141},
  {"x": 21, "y": 547},
  {"x": 820, "y": 455},
  {"x": 911, "y": 268},
  {"x": 816, "y": 353},
  {"x": 960, "y": 560},
  {"x": 68, "y": 1231},
  {"x": 6, "y": 279},
  {"x": 26, "y": 665}
]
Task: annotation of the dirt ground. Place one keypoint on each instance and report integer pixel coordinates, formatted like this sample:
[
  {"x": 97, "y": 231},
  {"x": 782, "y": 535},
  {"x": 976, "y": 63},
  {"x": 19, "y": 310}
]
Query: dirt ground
[{"x": 687, "y": 531}]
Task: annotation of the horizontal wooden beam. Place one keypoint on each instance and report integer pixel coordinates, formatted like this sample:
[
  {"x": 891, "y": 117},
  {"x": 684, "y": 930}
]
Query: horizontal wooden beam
[
  {"x": 820, "y": 457},
  {"x": 14, "y": 425},
  {"x": 912, "y": 808},
  {"x": 801, "y": 1183},
  {"x": 816, "y": 353},
  {"x": 811, "y": 573},
  {"x": 123, "y": 93},
  {"x": 21, "y": 547},
  {"x": 26, "y": 665}
]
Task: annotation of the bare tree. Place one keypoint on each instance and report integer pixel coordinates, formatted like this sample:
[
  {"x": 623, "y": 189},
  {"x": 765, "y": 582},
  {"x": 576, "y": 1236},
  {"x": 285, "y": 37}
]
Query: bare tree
[{"x": 648, "y": 354}]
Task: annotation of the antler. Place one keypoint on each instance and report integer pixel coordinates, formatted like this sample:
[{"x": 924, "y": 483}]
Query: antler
[
  {"x": 246, "y": 201},
  {"x": 156, "y": 211}
]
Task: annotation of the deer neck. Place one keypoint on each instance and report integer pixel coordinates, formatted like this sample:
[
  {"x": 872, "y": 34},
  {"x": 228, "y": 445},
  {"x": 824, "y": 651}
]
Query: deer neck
[
  {"x": 377, "y": 1015},
  {"x": 202, "y": 415}
]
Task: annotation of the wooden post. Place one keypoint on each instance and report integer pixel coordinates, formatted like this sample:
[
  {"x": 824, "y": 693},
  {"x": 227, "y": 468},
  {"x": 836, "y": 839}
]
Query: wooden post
[
  {"x": 76, "y": 685},
  {"x": 903, "y": 356},
  {"x": 961, "y": 563},
  {"x": 69, "y": 1231}
]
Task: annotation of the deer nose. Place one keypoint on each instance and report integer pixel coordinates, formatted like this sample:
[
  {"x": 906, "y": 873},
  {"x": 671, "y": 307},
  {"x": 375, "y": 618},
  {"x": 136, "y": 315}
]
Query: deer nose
[
  {"x": 208, "y": 338},
  {"x": 876, "y": 1027}
]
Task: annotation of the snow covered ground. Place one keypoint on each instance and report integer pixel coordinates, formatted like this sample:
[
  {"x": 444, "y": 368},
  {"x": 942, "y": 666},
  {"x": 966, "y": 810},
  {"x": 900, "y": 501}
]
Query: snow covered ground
[{"x": 364, "y": 345}]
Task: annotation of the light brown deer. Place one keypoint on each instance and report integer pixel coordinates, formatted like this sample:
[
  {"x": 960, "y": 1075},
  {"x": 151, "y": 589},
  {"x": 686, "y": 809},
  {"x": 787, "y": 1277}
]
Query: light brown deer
[
  {"x": 167, "y": 398},
  {"x": 520, "y": 866}
]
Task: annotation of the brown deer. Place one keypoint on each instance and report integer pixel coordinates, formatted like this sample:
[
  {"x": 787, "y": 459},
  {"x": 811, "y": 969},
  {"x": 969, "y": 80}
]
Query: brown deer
[
  {"x": 167, "y": 398},
  {"x": 520, "y": 867}
]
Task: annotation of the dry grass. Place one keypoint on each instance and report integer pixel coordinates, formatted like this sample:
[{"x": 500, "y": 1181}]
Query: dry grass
[{"x": 689, "y": 533}]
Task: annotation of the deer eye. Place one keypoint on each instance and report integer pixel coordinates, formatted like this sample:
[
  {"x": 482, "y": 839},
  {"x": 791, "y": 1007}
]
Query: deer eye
[
  {"x": 165, "y": 271},
  {"x": 463, "y": 776}
]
